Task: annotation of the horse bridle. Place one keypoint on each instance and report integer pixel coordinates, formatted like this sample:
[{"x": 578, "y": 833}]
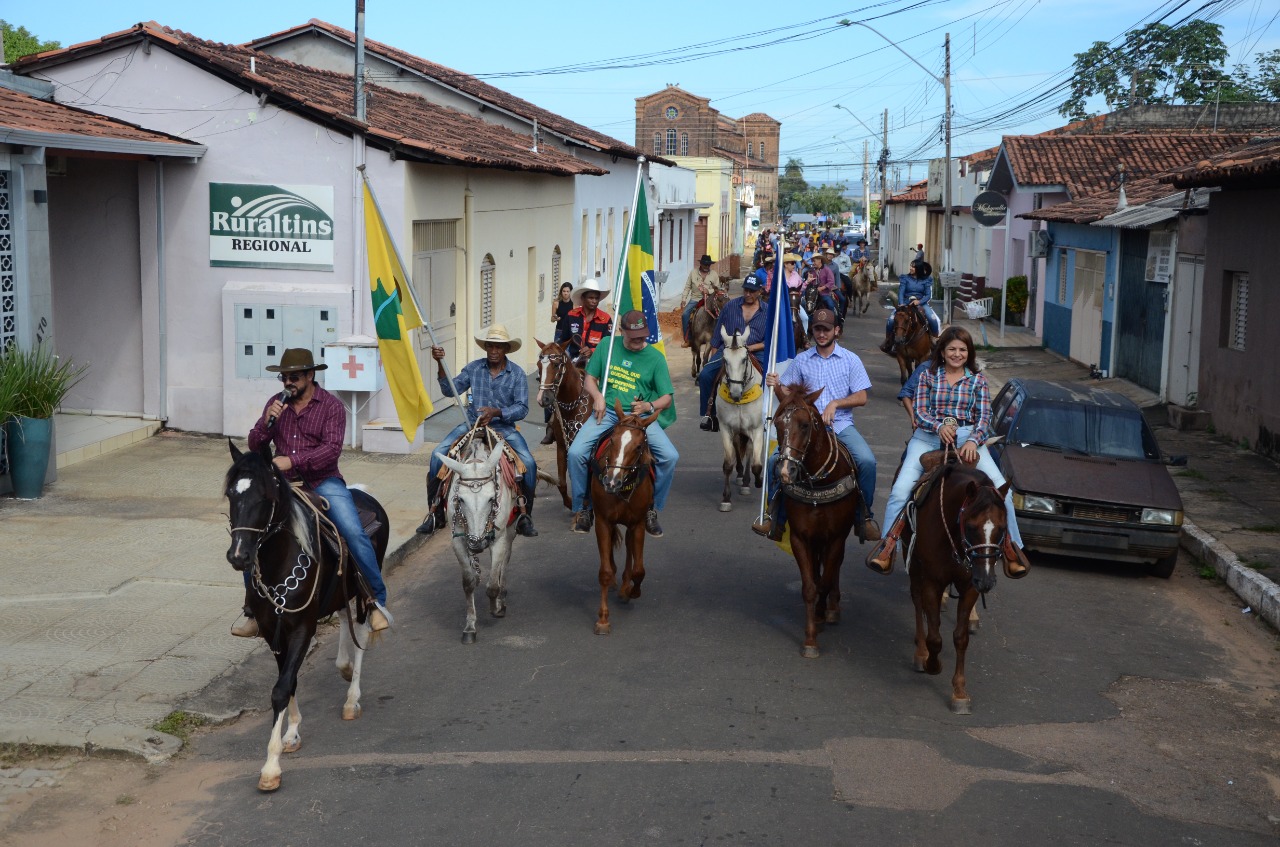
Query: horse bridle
[
  {"x": 277, "y": 594},
  {"x": 724, "y": 370},
  {"x": 787, "y": 454},
  {"x": 476, "y": 484},
  {"x": 630, "y": 473},
  {"x": 571, "y": 408},
  {"x": 917, "y": 311},
  {"x": 971, "y": 552}
]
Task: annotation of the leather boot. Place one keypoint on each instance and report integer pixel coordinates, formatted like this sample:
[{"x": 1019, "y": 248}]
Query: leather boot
[
  {"x": 1016, "y": 565},
  {"x": 246, "y": 626},
  {"x": 549, "y": 438},
  {"x": 524, "y": 523},
  {"x": 887, "y": 345},
  {"x": 880, "y": 559},
  {"x": 434, "y": 519},
  {"x": 771, "y": 527}
]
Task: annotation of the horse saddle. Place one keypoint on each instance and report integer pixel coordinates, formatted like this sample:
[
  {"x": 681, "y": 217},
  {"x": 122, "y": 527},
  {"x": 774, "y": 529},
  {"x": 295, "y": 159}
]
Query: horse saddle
[
  {"x": 511, "y": 465},
  {"x": 365, "y": 509}
]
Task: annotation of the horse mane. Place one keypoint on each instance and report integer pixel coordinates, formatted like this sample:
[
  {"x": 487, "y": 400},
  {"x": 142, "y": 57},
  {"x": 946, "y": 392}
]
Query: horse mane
[
  {"x": 986, "y": 495},
  {"x": 796, "y": 392},
  {"x": 256, "y": 467}
]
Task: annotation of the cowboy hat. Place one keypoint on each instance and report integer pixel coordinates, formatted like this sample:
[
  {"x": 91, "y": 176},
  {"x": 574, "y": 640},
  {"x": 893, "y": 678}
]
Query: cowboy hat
[
  {"x": 593, "y": 284},
  {"x": 497, "y": 334},
  {"x": 296, "y": 359},
  {"x": 791, "y": 257},
  {"x": 705, "y": 260}
]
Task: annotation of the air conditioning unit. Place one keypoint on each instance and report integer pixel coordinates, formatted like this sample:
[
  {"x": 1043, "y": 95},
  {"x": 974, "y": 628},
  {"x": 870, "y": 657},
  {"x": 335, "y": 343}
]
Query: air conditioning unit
[{"x": 1038, "y": 243}]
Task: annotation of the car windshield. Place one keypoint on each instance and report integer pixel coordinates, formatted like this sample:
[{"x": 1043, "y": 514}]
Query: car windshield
[{"x": 1094, "y": 430}]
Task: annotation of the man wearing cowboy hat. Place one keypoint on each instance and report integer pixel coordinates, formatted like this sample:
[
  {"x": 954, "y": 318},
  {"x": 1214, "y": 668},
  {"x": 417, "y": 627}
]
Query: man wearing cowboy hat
[
  {"x": 701, "y": 283},
  {"x": 764, "y": 273},
  {"x": 499, "y": 397},
  {"x": 307, "y": 426},
  {"x": 586, "y": 324}
]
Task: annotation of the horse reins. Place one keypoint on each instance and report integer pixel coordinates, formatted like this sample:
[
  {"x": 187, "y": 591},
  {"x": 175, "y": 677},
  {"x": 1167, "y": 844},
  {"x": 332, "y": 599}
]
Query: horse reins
[
  {"x": 971, "y": 551},
  {"x": 899, "y": 343},
  {"x": 561, "y": 408},
  {"x": 630, "y": 473},
  {"x": 787, "y": 454}
]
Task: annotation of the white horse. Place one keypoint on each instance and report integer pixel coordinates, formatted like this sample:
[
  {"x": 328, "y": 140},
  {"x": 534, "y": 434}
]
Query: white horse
[
  {"x": 479, "y": 514},
  {"x": 739, "y": 406}
]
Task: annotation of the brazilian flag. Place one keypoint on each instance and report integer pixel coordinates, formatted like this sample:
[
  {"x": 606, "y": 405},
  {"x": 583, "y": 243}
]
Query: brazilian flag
[{"x": 639, "y": 287}]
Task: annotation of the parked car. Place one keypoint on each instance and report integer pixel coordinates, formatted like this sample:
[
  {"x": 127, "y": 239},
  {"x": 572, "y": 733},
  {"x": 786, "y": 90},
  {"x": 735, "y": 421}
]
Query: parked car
[{"x": 1087, "y": 475}]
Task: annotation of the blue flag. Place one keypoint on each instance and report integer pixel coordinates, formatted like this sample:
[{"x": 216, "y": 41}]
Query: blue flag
[{"x": 781, "y": 322}]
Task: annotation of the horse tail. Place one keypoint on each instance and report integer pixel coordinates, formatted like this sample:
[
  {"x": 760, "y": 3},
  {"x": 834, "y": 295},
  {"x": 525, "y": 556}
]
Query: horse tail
[{"x": 619, "y": 537}]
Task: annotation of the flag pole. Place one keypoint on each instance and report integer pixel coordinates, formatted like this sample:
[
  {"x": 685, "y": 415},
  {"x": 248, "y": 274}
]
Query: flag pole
[
  {"x": 622, "y": 265},
  {"x": 426, "y": 323},
  {"x": 773, "y": 362}
]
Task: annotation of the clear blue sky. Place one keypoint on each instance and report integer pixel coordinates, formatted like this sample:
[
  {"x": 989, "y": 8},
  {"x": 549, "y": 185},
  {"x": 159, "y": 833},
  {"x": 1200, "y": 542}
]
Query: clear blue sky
[{"x": 1004, "y": 52}]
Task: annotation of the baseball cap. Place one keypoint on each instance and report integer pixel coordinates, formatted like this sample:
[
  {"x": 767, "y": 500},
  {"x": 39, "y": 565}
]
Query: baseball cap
[
  {"x": 634, "y": 325},
  {"x": 823, "y": 317}
]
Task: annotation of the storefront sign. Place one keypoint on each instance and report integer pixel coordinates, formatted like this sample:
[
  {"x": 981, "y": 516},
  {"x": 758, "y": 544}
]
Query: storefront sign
[
  {"x": 271, "y": 226},
  {"x": 989, "y": 208}
]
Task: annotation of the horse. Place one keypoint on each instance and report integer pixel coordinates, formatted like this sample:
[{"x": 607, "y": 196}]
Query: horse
[
  {"x": 797, "y": 325},
  {"x": 864, "y": 283},
  {"x": 956, "y": 540},
  {"x": 741, "y": 424},
  {"x": 562, "y": 386},
  {"x": 298, "y": 575},
  {"x": 819, "y": 481},
  {"x": 701, "y": 325},
  {"x": 622, "y": 487},
  {"x": 912, "y": 342}
]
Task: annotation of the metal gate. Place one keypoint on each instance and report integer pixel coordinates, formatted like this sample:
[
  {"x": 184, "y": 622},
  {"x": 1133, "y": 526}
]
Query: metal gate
[{"x": 1140, "y": 311}]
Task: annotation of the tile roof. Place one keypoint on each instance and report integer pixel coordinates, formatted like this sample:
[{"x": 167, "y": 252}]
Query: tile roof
[
  {"x": 22, "y": 113},
  {"x": 1087, "y": 164},
  {"x": 983, "y": 159},
  {"x": 757, "y": 116},
  {"x": 1095, "y": 207},
  {"x": 406, "y": 124},
  {"x": 1260, "y": 157},
  {"x": 915, "y": 193},
  {"x": 468, "y": 85}
]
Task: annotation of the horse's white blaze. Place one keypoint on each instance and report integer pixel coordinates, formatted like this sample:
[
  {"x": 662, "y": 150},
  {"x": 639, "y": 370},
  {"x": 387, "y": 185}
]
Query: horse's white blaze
[
  {"x": 242, "y": 485},
  {"x": 624, "y": 446},
  {"x": 987, "y": 529}
]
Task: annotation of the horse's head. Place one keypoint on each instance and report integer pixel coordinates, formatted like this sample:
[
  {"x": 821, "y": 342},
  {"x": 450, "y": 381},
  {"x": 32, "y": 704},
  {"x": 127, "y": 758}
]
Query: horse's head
[
  {"x": 809, "y": 297},
  {"x": 473, "y": 496},
  {"x": 983, "y": 523},
  {"x": 908, "y": 318},
  {"x": 627, "y": 451},
  {"x": 739, "y": 373},
  {"x": 255, "y": 489},
  {"x": 797, "y": 422},
  {"x": 553, "y": 363},
  {"x": 715, "y": 303}
]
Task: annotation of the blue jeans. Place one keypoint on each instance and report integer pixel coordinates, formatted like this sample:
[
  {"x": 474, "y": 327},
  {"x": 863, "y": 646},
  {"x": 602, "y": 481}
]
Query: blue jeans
[
  {"x": 686, "y": 316},
  {"x": 513, "y": 438},
  {"x": 342, "y": 511},
  {"x": 922, "y": 442},
  {"x": 664, "y": 454},
  {"x": 935, "y": 325},
  {"x": 864, "y": 469},
  {"x": 707, "y": 380}
]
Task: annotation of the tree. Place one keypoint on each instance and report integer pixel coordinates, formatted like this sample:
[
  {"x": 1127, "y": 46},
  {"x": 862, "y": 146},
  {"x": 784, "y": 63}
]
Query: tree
[
  {"x": 18, "y": 42},
  {"x": 1155, "y": 64},
  {"x": 824, "y": 200},
  {"x": 791, "y": 184}
]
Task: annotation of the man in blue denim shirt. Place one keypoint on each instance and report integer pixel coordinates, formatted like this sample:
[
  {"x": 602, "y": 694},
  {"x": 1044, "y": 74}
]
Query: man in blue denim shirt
[
  {"x": 499, "y": 397},
  {"x": 743, "y": 314}
]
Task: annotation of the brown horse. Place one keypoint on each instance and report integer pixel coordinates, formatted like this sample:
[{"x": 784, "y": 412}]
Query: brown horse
[
  {"x": 959, "y": 529},
  {"x": 864, "y": 283},
  {"x": 797, "y": 325},
  {"x": 562, "y": 386},
  {"x": 622, "y": 494},
  {"x": 911, "y": 340},
  {"x": 822, "y": 497},
  {"x": 701, "y": 324}
]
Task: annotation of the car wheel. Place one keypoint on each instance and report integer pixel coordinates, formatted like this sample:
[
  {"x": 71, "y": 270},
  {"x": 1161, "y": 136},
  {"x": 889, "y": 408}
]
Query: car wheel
[{"x": 1163, "y": 567}]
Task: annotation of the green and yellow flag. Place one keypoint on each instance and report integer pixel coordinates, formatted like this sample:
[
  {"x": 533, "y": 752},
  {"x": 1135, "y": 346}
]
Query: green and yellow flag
[
  {"x": 395, "y": 314},
  {"x": 639, "y": 287}
]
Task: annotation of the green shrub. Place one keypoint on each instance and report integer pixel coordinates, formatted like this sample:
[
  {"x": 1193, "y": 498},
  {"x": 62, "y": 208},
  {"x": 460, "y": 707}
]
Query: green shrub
[
  {"x": 34, "y": 382},
  {"x": 1016, "y": 294}
]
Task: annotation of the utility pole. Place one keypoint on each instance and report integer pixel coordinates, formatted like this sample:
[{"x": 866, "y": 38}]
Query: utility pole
[
  {"x": 946, "y": 117},
  {"x": 866, "y": 187},
  {"x": 884, "y": 185},
  {"x": 360, "y": 106}
]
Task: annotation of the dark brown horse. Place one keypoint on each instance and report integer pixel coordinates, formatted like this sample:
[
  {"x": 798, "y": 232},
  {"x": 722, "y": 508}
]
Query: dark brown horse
[
  {"x": 797, "y": 325},
  {"x": 622, "y": 495},
  {"x": 296, "y": 577},
  {"x": 959, "y": 530},
  {"x": 911, "y": 340},
  {"x": 562, "y": 387},
  {"x": 822, "y": 497},
  {"x": 701, "y": 324}
]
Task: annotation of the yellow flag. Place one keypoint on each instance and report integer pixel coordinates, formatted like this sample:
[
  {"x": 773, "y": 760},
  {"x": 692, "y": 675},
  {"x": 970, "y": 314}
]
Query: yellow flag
[{"x": 395, "y": 315}]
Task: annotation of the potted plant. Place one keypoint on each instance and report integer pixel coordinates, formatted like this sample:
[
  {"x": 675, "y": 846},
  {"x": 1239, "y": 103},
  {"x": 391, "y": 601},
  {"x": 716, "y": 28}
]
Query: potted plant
[
  {"x": 1015, "y": 299},
  {"x": 33, "y": 384}
]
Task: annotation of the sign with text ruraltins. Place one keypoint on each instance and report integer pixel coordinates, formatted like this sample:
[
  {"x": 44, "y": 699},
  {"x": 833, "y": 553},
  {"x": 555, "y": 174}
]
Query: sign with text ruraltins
[{"x": 271, "y": 226}]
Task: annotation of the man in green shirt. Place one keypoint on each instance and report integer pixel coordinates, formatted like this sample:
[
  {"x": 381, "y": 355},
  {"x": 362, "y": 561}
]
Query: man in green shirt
[{"x": 640, "y": 381}]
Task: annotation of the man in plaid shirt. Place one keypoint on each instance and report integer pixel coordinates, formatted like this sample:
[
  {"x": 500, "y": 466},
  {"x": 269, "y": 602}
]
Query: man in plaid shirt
[{"x": 306, "y": 425}]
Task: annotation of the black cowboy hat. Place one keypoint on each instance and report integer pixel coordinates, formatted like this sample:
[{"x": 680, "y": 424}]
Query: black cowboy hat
[
  {"x": 705, "y": 260},
  {"x": 296, "y": 359}
]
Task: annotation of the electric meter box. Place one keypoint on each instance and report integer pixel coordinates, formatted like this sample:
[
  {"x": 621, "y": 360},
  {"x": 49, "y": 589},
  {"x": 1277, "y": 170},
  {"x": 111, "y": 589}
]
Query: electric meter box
[{"x": 354, "y": 365}]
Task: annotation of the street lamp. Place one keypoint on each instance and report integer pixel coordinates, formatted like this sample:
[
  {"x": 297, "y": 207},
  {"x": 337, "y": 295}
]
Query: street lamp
[{"x": 945, "y": 81}]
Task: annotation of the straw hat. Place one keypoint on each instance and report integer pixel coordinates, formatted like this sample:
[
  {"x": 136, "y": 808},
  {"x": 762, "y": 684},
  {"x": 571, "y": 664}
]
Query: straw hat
[
  {"x": 497, "y": 334},
  {"x": 593, "y": 284},
  {"x": 791, "y": 257}
]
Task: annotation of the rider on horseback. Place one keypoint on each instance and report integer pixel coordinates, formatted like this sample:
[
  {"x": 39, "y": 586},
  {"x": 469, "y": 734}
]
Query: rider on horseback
[
  {"x": 306, "y": 425},
  {"x": 743, "y": 315},
  {"x": 586, "y": 324},
  {"x": 702, "y": 283},
  {"x": 639, "y": 380},
  {"x": 915, "y": 287},
  {"x": 499, "y": 398}
]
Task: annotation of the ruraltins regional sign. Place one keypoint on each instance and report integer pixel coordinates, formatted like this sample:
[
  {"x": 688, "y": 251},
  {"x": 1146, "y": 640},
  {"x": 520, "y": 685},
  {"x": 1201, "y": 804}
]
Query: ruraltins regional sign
[
  {"x": 989, "y": 208},
  {"x": 271, "y": 226}
]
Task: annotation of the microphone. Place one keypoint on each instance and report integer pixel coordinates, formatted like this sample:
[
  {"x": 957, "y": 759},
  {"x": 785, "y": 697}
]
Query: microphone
[{"x": 284, "y": 398}]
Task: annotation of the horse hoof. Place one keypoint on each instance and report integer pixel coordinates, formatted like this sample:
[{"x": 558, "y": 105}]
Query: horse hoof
[
  {"x": 809, "y": 652},
  {"x": 746, "y": 489},
  {"x": 974, "y": 626},
  {"x": 917, "y": 665},
  {"x": 961, "y": 707},
  {"x": 725, "y": 507},
  {"x": 624, "y": 597},
  {"x": 268, "y": 783},
  {"x": 350, "y": 713},
  {"x": 500, "y": 612},
  {"x": 291, "y": 746},
  {"x": 347, "y": 672},
  {"x": 603, "y": 629},
  {"x": 468, "y": 638},
  {"x": 832, "y": 617}
]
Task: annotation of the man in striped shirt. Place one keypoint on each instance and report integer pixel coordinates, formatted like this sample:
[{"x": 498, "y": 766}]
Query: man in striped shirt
[{"x": 844, "y": 382}]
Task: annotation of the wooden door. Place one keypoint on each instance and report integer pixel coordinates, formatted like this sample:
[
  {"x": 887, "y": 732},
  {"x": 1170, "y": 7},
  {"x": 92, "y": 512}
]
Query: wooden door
[
  {"x": 1086, "y": 308},
  {"x": 1184, "y": 329},
  {"x": 700, "y": 238},
  {"x": 434, "y": 281}
]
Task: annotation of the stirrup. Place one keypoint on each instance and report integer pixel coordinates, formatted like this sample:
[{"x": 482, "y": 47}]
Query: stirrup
[{"x": 880, "y": 559}]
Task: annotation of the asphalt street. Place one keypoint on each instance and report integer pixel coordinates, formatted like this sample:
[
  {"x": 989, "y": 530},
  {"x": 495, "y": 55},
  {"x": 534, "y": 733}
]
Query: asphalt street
[{"x": 1109, "y": 707}]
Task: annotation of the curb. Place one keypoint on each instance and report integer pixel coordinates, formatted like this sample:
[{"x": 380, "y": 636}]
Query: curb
[
  {"x": 114, "y": 739},
  {"x": 1261, "y": 594}
]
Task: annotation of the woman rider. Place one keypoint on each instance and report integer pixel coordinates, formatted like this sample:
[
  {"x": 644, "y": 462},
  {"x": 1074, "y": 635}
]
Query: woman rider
[
  {"x": 952, "y": 407},
  {"x": 916, "y": 287}
]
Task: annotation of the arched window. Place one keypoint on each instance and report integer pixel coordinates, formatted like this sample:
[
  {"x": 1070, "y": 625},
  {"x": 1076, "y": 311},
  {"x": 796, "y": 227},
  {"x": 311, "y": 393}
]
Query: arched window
[
  {"x": 488, "y": 273},
  {"x": 657, "y": 144},
  {"x": 748, "y": 149},
  {"x": 684, "y": 144},
  {"x": 671, "y": 142}
]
